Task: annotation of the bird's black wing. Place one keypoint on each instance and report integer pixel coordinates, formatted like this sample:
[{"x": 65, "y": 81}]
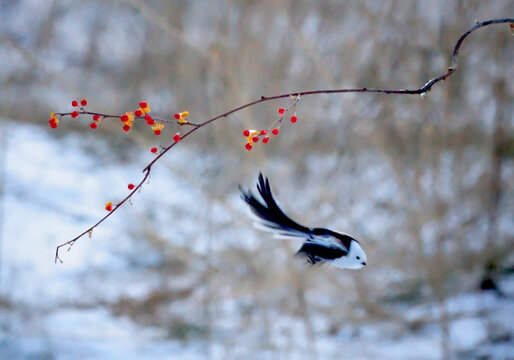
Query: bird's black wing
[
  {"x": 269, "y": 213},
  {"x": 316, "y": 253}
]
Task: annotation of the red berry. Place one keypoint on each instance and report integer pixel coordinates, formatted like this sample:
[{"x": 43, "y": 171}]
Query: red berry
[
  {"x": 124, "y": 118},
  {"x": 149, "y": 120},
  {"x": 74, "y": 114},
  {"x": 138, "y": 112},
  {"x": 281, "y": 111},
  {"x": 143, "y": 104},
  {"x": 246, "y": 133},
  {"x": 264, "y": 132},
  {"x": 153, "y": 150},
  {"x": 176, "y": 137},
  {"x": 274, "y": 131},
  {"x": 83, "y": 102},
  {"x": 126, "y": 127},
  {"x": 265, "y": 140},
  {"x": 96, "y": 117},
  {"x": 131, "y": 186},
  {"x": 93, "y": 125},
  {"x": 51, "y": 121},
  {"x": 74, "y": 103},
  {"x": 248, "y": 146},
  {"x": 294, "y": 119},
  {"x": 177, "y": 116},
  {"x": 53, "y": 125},
  {"x": 255, "y": 139},
  {"x": 108, "y": 208},
  {"x": 157, "y": 132}
]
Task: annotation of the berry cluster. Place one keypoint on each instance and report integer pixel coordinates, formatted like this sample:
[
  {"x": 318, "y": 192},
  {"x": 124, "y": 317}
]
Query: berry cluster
[
  {"x": 253, "y": 136},
  {"x": 181, "y": 117},
  {"x": 157, "y": 128},
  {"x": 157, "y": 125},
  {"x": 53, "y": 121},
  {"x": 128, "y": 118},
  {"x": 143, "y": 112}
]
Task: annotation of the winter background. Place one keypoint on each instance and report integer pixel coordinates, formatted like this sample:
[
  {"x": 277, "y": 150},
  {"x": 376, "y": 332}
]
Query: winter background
[{"x": 426, "y": 184}]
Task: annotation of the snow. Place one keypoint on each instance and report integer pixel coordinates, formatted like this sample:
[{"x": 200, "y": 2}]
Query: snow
[
  {"x": 466, "y": 334},
  {"x": 43, "y": 320},
  {"x": 52, "y": 191}
]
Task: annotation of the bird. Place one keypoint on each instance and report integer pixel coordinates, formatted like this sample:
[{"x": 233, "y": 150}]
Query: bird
[{"x": 320, "y": 245}]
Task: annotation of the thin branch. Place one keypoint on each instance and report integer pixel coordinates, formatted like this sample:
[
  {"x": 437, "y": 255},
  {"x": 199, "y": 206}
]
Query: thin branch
[{"x": 421, "y": 91}]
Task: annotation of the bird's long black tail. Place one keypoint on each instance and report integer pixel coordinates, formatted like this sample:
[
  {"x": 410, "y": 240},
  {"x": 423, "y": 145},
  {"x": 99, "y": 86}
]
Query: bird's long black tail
[{"x": 269, "y": 213}]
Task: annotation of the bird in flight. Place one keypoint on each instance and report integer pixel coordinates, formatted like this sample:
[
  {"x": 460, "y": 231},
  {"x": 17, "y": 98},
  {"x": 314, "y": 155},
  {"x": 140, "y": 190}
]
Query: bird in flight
[{"x": 320, "y": 245}]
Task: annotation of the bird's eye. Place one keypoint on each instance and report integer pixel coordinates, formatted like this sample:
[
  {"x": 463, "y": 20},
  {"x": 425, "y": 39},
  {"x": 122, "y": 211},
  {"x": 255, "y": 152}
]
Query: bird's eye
[{"x": 358, "y": 257}]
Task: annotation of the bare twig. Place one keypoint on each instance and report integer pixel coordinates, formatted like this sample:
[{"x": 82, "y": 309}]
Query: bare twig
[{"x": 194, "y": 127}]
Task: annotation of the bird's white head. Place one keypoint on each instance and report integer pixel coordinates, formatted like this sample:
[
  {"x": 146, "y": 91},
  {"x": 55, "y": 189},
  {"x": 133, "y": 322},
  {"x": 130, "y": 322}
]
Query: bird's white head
[
  {"x": 356, "y": 256},
  {"x": 355, "y": 259}
]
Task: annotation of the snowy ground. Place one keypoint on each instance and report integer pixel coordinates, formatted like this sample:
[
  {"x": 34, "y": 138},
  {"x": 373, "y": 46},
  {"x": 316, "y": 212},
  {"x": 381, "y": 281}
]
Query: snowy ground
[{"x": 54, "y": 188}]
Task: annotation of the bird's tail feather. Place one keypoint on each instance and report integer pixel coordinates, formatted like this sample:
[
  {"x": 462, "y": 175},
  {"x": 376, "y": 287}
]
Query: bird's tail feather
[{"x": 269, "y": 214}]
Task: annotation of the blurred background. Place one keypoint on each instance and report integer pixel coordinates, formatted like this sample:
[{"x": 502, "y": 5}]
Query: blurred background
[{"x": 426, "y": 184}]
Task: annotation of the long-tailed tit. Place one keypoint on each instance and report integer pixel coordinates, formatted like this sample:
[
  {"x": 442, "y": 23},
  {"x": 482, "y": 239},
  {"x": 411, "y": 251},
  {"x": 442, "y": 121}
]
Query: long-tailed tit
[{"x": 320, "y": 244}]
